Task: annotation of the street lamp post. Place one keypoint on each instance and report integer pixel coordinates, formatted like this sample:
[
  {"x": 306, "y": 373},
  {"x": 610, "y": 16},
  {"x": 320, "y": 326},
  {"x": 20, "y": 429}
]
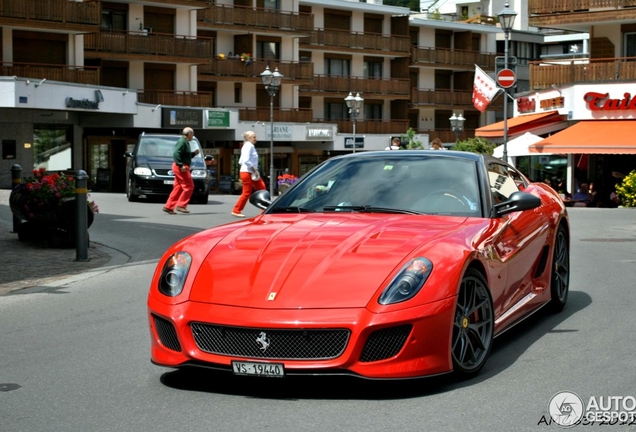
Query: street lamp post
[
  {"x": 272, "y": 85},
  {"x": 354, "y": 104},
  {"x": 506, "y": 20},
  {"x": 457, "y": 125}
]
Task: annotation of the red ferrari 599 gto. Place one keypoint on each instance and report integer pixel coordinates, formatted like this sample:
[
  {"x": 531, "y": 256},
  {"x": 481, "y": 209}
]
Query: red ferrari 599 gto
[{"x": 376, "y": 264}]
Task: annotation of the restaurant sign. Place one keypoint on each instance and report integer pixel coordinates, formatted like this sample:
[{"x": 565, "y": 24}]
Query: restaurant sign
[{"x": 602, "y": 102}]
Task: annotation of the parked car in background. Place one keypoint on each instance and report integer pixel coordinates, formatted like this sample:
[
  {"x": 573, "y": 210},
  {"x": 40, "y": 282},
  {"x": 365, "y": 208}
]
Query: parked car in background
[
  {"x": 376, "y": 264},
  {"x": 149, "y": 169}
]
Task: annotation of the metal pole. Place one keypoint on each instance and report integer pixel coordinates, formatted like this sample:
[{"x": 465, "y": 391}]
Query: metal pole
[
  {"x": 16, "y": 174},
  {"x": 354, "y": 115},
  {"x": 271, "y": 144},
  {"x": 81, "y": 235},
  {"x": 505, "y": 103}
]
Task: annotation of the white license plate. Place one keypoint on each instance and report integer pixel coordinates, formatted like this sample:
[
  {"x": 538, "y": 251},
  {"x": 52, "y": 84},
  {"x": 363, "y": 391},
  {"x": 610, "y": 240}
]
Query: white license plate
[
  {"x": 168, "y": 182},
  {"x": 276, "y": 370}
]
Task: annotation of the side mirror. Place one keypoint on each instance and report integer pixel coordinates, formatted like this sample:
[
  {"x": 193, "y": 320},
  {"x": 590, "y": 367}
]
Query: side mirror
[
  {"x": 209, "y": 158},
  {"x": 261, "y": 199},
  {"x": 128, "y": 154},
  {"x": 518, "y": 201}
]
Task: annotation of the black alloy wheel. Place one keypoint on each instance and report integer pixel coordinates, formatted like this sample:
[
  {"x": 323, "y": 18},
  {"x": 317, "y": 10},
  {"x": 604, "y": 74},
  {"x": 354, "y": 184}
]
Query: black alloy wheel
[
  {"x": 474, "y": 324},
  {"x": 560, "y": 276}
]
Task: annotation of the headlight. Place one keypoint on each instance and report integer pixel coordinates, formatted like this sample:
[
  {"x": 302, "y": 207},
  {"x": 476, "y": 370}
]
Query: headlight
[
  {"x": 174, "y": 273},
  {"x": 408, "y": 281},
  {"x": 198, "y": 173},
  {"x": 142, "y": 171}
]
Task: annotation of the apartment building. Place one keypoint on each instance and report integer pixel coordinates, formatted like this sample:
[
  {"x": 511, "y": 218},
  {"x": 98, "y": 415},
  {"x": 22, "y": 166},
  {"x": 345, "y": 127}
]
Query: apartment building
[{"x": 81, "y": 79}]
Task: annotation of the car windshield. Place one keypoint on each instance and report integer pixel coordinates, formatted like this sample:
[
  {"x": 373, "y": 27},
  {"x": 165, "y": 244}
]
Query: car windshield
[
  {"x": 163, "y": 146},
  {"x": 414, "y": 184}
]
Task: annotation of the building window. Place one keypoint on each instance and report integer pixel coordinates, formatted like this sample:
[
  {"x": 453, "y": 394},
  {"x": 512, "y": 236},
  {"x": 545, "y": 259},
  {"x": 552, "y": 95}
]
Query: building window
[
  {"x": 372, "y": 110},
  {"x": 238, "y": 92},
  {"x": 630, "y": 45},
  {"x": 267, "y": 50},
  {"x": 271, "y": 5},
  {"x": 52, "y": 148},
  {"x": 336, "y": 111},
  {"x": 114, "y": 20},
  {"x": 373, "y": 68},
  {"x": 341, "y": 67}
]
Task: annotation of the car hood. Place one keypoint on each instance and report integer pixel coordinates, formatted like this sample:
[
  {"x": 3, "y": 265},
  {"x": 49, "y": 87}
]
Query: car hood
[
  {"x": 310, "y": 261},
  {"x": 165, "y": 163}
]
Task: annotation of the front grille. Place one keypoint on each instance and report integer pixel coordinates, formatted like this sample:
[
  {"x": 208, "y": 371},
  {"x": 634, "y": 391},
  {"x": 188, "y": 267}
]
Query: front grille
[
  {"x": 167, "y": 334},
  {"x": 310, "y": 344},
  {"x": 163, "y": 172},
  {"x": 385, "y": 343}
]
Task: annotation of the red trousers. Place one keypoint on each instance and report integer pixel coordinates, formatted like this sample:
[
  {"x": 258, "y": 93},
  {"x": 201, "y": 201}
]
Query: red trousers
[
  {"x": 248, "y": 186},
  {"x": 182, "y": 189}
]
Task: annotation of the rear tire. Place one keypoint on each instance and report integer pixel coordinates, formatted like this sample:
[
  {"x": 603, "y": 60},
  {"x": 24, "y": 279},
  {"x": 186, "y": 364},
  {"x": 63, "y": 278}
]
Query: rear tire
[
  {"x": 473, "y": 326},
  {"x": 560, "y": 272}
]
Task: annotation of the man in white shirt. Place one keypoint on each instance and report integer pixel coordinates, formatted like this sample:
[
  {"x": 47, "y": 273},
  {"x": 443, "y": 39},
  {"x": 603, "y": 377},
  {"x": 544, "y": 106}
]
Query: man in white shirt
[{"x": 248, "y": 173}]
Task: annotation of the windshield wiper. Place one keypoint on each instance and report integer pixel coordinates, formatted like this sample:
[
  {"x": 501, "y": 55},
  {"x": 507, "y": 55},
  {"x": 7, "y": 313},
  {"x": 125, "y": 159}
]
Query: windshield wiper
[
  {"x": 369, "y": 209},
  {"x": 293, "y": 209}
]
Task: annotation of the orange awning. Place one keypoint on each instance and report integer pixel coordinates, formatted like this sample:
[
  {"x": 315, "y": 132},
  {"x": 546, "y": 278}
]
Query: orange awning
[
  {"x": 591, "y": 137},
  {"x": 520, "y": 125}
]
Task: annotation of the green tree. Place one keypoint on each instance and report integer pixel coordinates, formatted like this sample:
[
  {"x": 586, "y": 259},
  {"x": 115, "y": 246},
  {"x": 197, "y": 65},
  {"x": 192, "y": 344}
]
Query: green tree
[
  {"x": 626, "y": 190},
  {"x": 413, "y": 144},
  {"x": 475, "y": 145}
]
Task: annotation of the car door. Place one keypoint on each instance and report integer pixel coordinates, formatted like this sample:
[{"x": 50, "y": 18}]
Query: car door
[{"x": 520, "y": 240}]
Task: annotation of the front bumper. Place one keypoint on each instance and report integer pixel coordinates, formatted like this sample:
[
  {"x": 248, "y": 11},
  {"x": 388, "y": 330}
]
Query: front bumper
[{"x": 425, "y": 349}]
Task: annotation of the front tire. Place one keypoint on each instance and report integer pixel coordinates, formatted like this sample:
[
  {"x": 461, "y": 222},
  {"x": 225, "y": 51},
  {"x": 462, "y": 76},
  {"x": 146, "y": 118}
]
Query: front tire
[
  {"x": 129, "y": 191},
  {"x": 473, "y": 326},
  {"x": 560, "y": 276}
]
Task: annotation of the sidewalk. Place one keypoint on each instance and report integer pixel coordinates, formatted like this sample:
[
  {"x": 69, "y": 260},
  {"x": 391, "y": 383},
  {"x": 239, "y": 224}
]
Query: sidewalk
[{"x": 27, "y": 265}]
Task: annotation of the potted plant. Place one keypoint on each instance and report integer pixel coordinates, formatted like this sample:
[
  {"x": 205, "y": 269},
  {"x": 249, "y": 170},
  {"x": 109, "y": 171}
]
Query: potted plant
[
  {"x": 285, "y": 181},
  {"x": 46, "y": 204}
]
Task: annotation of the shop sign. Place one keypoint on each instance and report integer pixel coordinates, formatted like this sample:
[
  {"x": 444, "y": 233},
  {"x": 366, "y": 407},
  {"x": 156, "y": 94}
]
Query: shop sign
[
  {"x": 218, "y": 118},
  {"x": 526, "y": 105},
  {"x": 348, "y": 142},
  {"x": 85, "y": 103},
  {"x": 319, "y": 134},
  {"x": 171, "y": 117},
  {"x": 551, "y": 103},
  {"x": 280, "y": 132},
  {"x": 601, "y": 102}
]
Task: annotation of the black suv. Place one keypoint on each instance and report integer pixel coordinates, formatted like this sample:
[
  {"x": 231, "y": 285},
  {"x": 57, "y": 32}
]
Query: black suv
[{"x": 149, "y": 168}]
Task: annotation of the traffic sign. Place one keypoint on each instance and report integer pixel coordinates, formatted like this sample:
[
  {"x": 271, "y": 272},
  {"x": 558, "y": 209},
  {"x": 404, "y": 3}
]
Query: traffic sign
[{"x": 506, "y": 78}]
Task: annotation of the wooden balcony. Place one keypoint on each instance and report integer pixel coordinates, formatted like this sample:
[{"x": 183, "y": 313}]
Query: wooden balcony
[
  {"x": 378, "y": 88},
  {"x": 231, "y": 69},
  {"x": 60, "y": 15},
  {"x": 175, "y": 98},
  {"x": 65, "y": 73},
  {"x": 544, "y": 74},
  {"x": 346, "y": 41},
  {"x": 284, "y": 115},
  {"x": 370, "y": 126},
  {"x": 255, "y": 19},
  {"x": 449, "y": 99},
  {"x": 452, "y": 58},
  {"x": 553, "y": 13},
  {"x": 137, "y": 45}
]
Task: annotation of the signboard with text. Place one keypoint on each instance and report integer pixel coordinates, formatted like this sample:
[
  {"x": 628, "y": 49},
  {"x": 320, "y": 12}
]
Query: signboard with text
[
  {"x": 348, "y": 142},
  {"x": 180, "y": 118},
  {"x": 218, "y": 119}
]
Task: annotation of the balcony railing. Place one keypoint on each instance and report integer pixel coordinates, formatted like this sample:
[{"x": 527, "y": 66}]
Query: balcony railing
[
  {"x": 175, "y": 97},
  {"x": 255, "y": 17},
  {"x": 231, "y": 67},
  {"x": 142, "y": 43},
  {"x": 60, "y": 11},
  {"x": 446, "y": 98},
  {"x": 369, "y": 126},
  {"x": 568, "y": 6},
  {"x": 390, "y": 87},
  {"x": 287, "y": 115},
  {"x": 435, "y": 57},
  {"x": 544, "y": 74},
  {"x": 331, "y": 38},
  {"x": 64, "y": 73}
]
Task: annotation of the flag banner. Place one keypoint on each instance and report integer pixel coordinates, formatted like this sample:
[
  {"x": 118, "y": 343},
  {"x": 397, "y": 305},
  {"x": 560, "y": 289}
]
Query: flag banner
[{"x": 484, "y": 89}]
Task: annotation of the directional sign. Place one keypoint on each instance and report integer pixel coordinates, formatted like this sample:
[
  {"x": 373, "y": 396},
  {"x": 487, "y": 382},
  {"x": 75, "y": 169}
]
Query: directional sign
[{"x": 506, "y": 78}]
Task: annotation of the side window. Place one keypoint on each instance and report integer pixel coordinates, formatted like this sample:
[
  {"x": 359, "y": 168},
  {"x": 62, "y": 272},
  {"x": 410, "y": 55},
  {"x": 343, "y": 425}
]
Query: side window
[{"x": 503, "y": 182}]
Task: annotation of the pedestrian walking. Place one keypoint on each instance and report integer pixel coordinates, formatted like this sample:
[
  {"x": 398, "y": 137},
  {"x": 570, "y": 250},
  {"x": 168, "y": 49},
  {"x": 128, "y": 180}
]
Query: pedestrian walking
[
  {"x": 395, "y": 144},
  {"x": 183, "y": 185},
  {"x": 436, "y": 144},
  {"x": 249, "y": 175}
]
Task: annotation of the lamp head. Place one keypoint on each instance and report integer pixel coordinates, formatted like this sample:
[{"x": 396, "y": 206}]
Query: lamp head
[
  {"x": 507, "y": 18},
  {"x": 266, "y": 76}
]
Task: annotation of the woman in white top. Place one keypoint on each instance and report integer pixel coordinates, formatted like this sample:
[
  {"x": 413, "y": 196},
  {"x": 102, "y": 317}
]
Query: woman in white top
[{"x": 248, "y": 173}]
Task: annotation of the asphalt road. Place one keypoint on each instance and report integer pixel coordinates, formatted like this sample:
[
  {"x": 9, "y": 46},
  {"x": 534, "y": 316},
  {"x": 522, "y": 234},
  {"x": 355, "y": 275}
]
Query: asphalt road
[{"x": 79, "y": 351}]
